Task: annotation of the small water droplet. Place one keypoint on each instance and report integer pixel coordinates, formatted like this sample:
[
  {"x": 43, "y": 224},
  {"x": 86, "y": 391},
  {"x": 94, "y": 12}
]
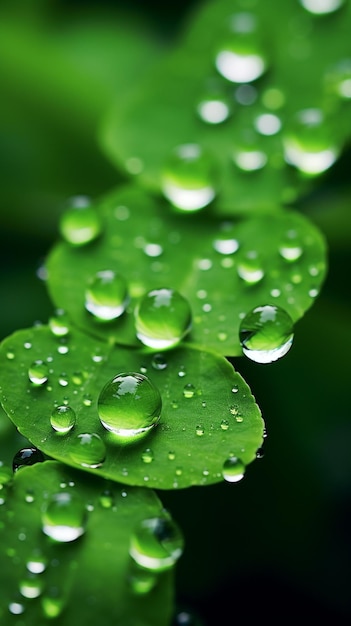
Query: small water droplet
[
  {"x": 224, "y": 424},
  {"x": 16, "y": 608},
  {"x": 25, "y": 457},
  {"x": 250, "y": 269},
  {"x": 213, "y": 110},
  {"x": 63, "y": 348},
  {"x": 199, "y": 430},
  {"x": 29, "y": 497},
  {"x": 147, "y": 456},
  {"x": 159, "y": 362},
  {"x": 188, "y": 178},
  {"x": 87, "y": 399},
  {"x": 59, "y": 323},
  {"x": 308, "y": 143},
  {"x": 88, "y": 450},
  {"x": 62, "y": 419},
  {"x": 106, "y": 499},
  {"x": 266, "y": 333},
  {"x": 233, "y": 469},
  {"x": 204, "y": 265},
  {"x": 226, "y": 242},
  {"x": 267, "y": 124},
  {"x": 338, "y": 79},
  {"x": 275, "y": 293},
  {"x": 27, "y": 345},
  {"x": 31, "y": 586},
  {"x": 63, "y": 379},
  {"x": 52, "y": 603},
  {"x": 36, "y": 563},
  {"x": 291, "y": 247},
  {"x": 10, "y": 354},
  {"x": 64, "y": 517},
  {"x": 162, "y": 318},
  {"x": 235, "y": 389},
  {"x": 321, "y": 7},
  {"x": 189, "y": 391},
  {"x": 153, "y": 249},
  {"x": 171, "y": 455},
  {"x": 80, "y": 223},
  {"x": 106, "y": 296},
  {"x": 129, "y": 406},
  {"x": 157, "y": 544},
  {"x": 141, "y": 580}
]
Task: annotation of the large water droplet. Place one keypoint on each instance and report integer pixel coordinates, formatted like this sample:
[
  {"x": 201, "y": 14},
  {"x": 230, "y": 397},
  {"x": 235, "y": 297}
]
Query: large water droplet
[
  {"x": 241, "y": 58},
  {"x": 129, "y": 406},
  {"x": 266, "y": 333},
  {"x": 162, "y": 318},
  {"x": 308, "y": 143},
  {"x": 88, "y": 450},
  {"x": 156, "y": 544},
  {"x": 319, "y": 7},
  {"x": 64, "y": 517},
  {"x": 233, "y": 469},
  {"x": 25, "y": 457},
  {"x": 62, "y": 419},
  {"x": 38, "y": 372},
  {"x": 80, "y": 223},
  {"x": 106, "y": 298},
  {"x": 188, "y": 179}
]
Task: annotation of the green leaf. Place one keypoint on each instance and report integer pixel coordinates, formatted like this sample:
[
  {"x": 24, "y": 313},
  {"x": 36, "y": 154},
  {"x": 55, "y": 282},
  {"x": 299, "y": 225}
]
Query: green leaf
[
  {"x": 85, "y": 580},
  {"x": 301, "y": 50},
  {"x": 189, "y": 262},
  {"x": 208, "y": 412}
]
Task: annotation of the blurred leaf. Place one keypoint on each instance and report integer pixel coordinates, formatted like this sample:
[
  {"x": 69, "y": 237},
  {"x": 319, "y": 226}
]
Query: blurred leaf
[
  {"x": 300, "y": 49},
  {"x": 85, "y": 579},
  {"x": 208, "y": 413},
  {"x": 220, "y": 286}
]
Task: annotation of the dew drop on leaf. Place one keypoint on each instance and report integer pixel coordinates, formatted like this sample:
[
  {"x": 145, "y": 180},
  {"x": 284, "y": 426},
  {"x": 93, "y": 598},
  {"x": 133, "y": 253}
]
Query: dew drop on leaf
[
  {"x": 62, "y": 419},
  {"x": 159, "y": 362},
  {"x": 213, "y": 110},
  {"x": 233, "y": 469},
  {"x": 64, "y": 517},
  {"x": 320, "y": 7},
  {"x": 129, "y": 406},
  {"x": 189, "y": 391},
  {"x": 250, "y": 269},
  {"x": 162, "y": 318},
  {"x": 80, "y": 223},
  {"x": 266, "y": 333},
  {"x": 156, "y": 544},
  {"x": 25, "y": 457},
  {"x": 59, "y": 324},
  {"x": 88, "y": 450},
  {"x": 31, "y": 586},
  {"x": 106, "y": 296},
  {"x": 188, "y": 178},
  {"x": 147, "y": 456}
]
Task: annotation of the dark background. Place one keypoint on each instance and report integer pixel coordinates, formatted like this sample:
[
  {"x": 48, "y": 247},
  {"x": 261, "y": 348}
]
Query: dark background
[{"x": 277, "y": 545}]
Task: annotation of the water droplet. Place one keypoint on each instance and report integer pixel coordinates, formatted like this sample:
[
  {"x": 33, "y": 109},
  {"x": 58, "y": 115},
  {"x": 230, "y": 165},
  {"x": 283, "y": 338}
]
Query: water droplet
[
  {"x": 275, "y": 293},
  {"x": 189, "y": 390},
  {"x": 188, "y": 178},
  {"x": 213, "y": 110},
  {"x": 249, "y": 159},
  {"x": 27, "y": 345},
  {"x": 235, "y": 389},
  {"x": 241, "y": 58},
  {"x": 64, "y": 517},
  {"x": 268, "y": 124},
  {"x": 52, "y": 603},
  {"x": 31, "y": 586},
  {"x": 157, "y": 543},
  {"x": 319, "y": 7},
  {"x": 153, "y": 249},
  {"x": 80, "y": 223},
  {"x": 87, "y": 399},
  {"x": 224, "y": 424},
  {"x": 266, "y": 333},
  {"x": 88, "y": 450},
  {"x": 63, "y": 348},
  {"x": 16, "y": 608},
  {"x": 59, "y": 324},
  {"x": 233, "y": 469},
  {"x": 159, "y": 362},
  {"x": 226, "y": 242},
  {"x": 162, "y": 318},
  {"x": 291, "y": 248},
  {"x": 29, "y": 497},
  {"x": 129, "y": 406},
  {"x": 10, "y": 354},
  {"x": 147, "y": 456},
  {"x": 25, "y": 457},
  {"x": 171, "y": 455},
  {"x": 199, "y": 430},
  {"x": 308, "y": 143},
  {"x": 141, "y": 580},
  {"x": 250, "y": 269},
  {"x": 178, "y": 471},
  {"x": 338, "y": 79},
  {"x": 106, "y": 499},
  {"x": 78, "y": 378},
  {"x": 62, "y": 419},
  {"x": 63, "y": 379},
  {"x": 36, "y": 563},
  {"x": 106, "y": 297}
]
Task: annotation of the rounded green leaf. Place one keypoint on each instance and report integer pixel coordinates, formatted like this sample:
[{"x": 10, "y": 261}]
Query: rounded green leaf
[
  {"x": 90, "y": 579},
  {"x": 208, "y": 413},
  {"x": 223, "y": 267},
  {"x": 301, "y": 56}
]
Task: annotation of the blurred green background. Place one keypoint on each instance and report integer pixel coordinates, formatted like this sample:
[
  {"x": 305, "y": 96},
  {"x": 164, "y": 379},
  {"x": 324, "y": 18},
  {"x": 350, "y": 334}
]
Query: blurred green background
[{"x": 277, "y": 545}]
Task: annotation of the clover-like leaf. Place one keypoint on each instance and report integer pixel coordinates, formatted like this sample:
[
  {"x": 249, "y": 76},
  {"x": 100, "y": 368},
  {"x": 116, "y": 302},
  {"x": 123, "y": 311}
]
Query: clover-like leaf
[
  {"x": 246, "y": 120},
  {"x": 90, "y": 577},
  {"x": 223, "y": 267},
  {"x": 208, "y": 413}
]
